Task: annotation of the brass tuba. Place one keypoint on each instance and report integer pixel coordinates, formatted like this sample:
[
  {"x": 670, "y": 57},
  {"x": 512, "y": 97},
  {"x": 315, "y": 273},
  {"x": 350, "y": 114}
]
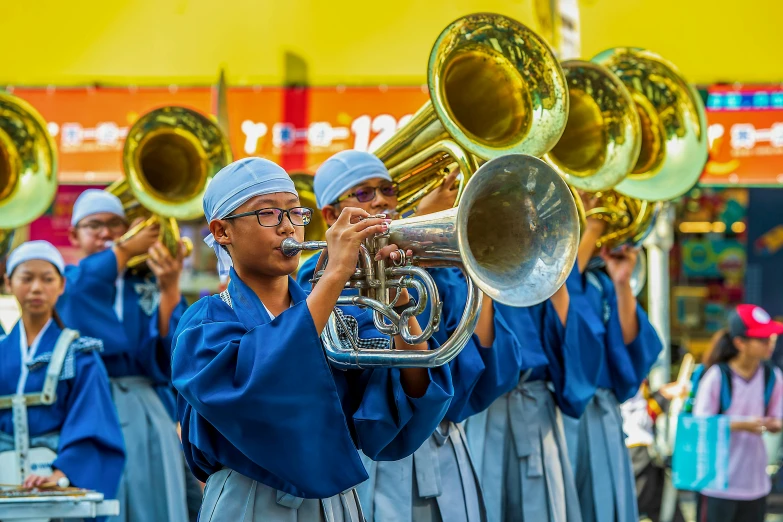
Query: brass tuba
[
  {"x": 495, "y": 88},
  {"x": 514, "y": 235},
  {"x": 635, "y": 135},
  {"x": 170, "y": 156},
  {"x": 673, "y": 125},
  {"x": 28, "y": 167}
]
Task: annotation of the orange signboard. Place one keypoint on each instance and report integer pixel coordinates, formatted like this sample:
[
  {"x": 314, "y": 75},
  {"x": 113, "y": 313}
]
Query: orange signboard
[
  {"x": 296, "y": 127},
  {"x": 89, "y": 124},
  {"x": 745, "y": 133}
]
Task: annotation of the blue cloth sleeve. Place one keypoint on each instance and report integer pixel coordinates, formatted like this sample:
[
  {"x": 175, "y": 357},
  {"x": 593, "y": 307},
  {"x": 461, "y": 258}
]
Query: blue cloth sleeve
[
  {"x": 270, "y": 394},
  {"x": 390, "y": 424},
  {"x": 629, "y": 364},
  {"x": 573, "y": 365},
  {"x": 482, "y": 374},
  {"x": 91, "y": 452}
]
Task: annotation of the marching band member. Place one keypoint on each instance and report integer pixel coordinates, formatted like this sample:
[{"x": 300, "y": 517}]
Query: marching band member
[
  {"x": 54, "y": 391},
  {"x": 518, "y": 444},
  {"x": 135, "y": 316},
  {"x": 624, "y": 346},
  {"x": 438, "y": 481},
  {"x": 271, "y": 426}
]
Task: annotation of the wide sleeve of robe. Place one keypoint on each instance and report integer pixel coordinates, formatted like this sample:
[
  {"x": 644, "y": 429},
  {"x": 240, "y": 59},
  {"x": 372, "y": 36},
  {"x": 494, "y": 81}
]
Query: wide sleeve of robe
[
  {"x": 91, "y": 449},
  {"x": 262, "y": 401},
  {"x": 389, "y": 423},
  {"x": 573, "y": 364},
  {"x": 88, "y": 301},
  {"x": 480, "y": 374},
  {"x": 629, "y": 363}
]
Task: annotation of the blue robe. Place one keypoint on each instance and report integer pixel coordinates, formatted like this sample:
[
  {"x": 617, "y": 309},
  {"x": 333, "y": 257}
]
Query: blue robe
[
  {"x": 138, "y": 361},
  {"x": 519, "y": 444},
  {"x": 257, "y": 396},
  {"x": 306, "y": 270},
  {"x": 82, "y": 424},
  {"x": 439, "y": 482},
  {"x": 603, "y": 469},
  {"x": 133, "y": 346}
]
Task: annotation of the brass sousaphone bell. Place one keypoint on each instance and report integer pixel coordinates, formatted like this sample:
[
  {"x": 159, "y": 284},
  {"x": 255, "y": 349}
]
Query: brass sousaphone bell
[
  {"x": 635, "y": 135},
  {"x": 170, "y": 156},
  {"x": 495, "y": 88},
  {"x": 28, "y": 167}
]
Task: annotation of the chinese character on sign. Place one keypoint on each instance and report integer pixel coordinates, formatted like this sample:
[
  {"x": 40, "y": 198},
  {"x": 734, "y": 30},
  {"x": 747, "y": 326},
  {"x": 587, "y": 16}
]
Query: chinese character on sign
[
  {"x": 72, "y": 135},
  {"x": 320, "y": 134},
  {"x": 776, "y": 135},
  {"x": 107, "y": 134},
  {"x": 743, "y": 136},
  {"x": 283, "y": 134},
  {"x": 253, "y": 133}
]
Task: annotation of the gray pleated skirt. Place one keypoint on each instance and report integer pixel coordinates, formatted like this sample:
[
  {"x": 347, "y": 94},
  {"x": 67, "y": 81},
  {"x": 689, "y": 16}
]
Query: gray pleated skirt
[
  {"x": 519, "y": 449},
  {"x": 230, "y": 496},
  {"x": 152, "y": 488},
  {"x": 437, "y": 483},
  {"x": 604, "y": 474}
]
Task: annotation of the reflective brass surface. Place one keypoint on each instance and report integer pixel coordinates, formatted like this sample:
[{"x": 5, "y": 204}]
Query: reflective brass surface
[
  {"x": 28, "y": 163},
  {"x": 673, "y": 123},
  {"x": 602, "y": 139},
  {"x": 628, "y": 219},
  {"x": 28, "y": 166},
  {"x": 170, "y": 156},
  {"x": 495, "y": 88}
]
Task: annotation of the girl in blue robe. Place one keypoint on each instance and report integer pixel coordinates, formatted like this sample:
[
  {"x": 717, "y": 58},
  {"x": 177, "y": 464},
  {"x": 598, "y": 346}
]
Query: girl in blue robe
[
  {"x": 135, "y": 316},
  {"x": 624, "y": 347},
  {"x": 266, "y": 421},
  {"x": 71, "y": 413}
]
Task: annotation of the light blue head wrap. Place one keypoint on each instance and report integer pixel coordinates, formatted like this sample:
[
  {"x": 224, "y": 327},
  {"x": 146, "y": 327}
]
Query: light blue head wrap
[
  {"x": 94, "y": 201},
  {"x": 30, "y": 250},
  {"x": 343, "y": 171},
  {"x": 234, "y": 185}
]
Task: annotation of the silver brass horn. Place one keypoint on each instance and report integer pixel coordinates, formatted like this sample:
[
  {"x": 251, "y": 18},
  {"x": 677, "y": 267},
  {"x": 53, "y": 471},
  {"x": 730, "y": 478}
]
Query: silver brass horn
[{"x": 514, "y": 235}]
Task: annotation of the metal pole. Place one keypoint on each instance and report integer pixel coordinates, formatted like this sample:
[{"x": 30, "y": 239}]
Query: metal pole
[{"x": 659, "y": 243}]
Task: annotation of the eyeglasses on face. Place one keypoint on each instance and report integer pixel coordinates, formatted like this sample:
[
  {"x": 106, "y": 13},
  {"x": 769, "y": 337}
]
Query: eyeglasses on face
[
  {"x": 94, "y": 226},
  {"x": 272, "y": 217},
  {"x": 367, "y": 194}
]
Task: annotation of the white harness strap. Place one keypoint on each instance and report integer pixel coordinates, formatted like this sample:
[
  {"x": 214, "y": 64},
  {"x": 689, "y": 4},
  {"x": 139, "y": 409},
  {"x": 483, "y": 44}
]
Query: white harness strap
[{"x": 48, "y": 396}]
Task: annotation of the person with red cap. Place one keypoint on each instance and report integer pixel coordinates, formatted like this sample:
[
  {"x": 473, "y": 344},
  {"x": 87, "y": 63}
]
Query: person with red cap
[{"x": 740, "y": 382}]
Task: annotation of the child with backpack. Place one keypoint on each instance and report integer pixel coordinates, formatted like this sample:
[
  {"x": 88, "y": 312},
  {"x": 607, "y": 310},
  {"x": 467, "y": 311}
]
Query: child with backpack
[{"x": 739, "y": 382}]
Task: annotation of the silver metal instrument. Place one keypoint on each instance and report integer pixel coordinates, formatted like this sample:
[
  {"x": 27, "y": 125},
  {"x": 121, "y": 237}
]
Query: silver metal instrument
[{"x": 514, "y": 235}]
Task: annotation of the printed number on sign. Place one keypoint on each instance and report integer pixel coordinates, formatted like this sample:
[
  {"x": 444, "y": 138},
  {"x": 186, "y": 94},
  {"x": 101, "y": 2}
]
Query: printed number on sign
[{"x": 384, "y": 126}]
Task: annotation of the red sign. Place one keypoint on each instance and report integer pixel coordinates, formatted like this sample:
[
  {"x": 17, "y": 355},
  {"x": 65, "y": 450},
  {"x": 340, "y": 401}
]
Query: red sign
[
  {"x": 296, "y": 127},
  {"x": 89, "y": 124},
  {"x": 745, "y": 132}
]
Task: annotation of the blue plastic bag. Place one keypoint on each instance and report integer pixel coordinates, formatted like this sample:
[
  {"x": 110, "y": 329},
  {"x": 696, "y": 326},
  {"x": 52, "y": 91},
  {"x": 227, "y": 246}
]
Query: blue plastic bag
[{"x": 701, "y": 453}]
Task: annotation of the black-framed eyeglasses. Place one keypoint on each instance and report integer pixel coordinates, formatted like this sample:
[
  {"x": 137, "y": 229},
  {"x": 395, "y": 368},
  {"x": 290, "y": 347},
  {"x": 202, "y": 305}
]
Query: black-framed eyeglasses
[
  {"x": 367, "y": 194},
  {"x": 113, "y": 225},
  {"x": 272, "y": 217}
]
